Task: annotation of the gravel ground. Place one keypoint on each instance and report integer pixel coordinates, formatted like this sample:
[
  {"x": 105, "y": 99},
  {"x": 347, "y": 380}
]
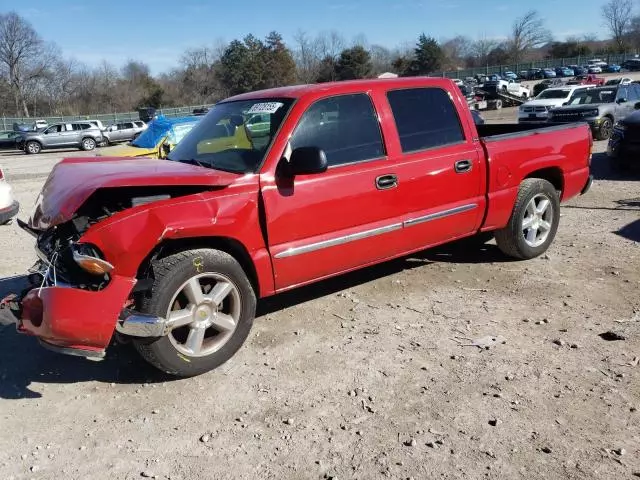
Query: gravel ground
[{"x": 371, "y": 375}]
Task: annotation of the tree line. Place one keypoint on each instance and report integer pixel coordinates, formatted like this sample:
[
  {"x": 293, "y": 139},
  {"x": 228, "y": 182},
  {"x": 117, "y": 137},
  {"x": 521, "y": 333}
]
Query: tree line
[{"x": 36, "y": 80}]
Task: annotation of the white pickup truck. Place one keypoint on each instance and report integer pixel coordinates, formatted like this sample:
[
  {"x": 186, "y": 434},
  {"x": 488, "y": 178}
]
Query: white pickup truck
[
  {"x": 508, "y": 86},
  {"x": 537, "y": 110}
]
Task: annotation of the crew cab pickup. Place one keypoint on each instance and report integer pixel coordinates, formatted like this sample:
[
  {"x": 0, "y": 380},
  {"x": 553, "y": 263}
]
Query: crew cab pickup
[
  {"x": 173, "y": 254},
  {"x": 589, "y": 79}
]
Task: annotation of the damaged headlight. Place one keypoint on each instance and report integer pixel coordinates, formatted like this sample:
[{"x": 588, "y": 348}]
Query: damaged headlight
[{"x": 89, "y": 259}]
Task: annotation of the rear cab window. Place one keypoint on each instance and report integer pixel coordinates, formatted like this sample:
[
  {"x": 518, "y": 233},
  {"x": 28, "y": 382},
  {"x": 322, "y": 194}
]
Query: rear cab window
[
  {"x": 345, "y": 127},
  {"x": 426, "y": 118}
]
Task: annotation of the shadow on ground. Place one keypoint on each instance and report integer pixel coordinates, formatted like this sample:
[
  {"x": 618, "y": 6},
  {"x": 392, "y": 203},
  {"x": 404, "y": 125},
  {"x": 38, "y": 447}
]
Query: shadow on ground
[
  {"x": 631, "y": 231},
  {"x": 23, "y": 360}
]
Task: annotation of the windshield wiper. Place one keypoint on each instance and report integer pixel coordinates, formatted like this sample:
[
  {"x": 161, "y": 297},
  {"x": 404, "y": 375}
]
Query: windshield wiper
[{"x": 193, "y": 161}]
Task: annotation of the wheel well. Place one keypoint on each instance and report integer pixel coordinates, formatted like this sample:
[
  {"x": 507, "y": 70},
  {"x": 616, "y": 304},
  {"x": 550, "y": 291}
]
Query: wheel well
[
  {"x": 553, "y": 175},
  {"x": 224, "y": 244}
]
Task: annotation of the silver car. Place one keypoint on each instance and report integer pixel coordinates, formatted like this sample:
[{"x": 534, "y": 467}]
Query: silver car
[
  {"x": 82, "y": 135},
  {"x": 123, "y": 132}
]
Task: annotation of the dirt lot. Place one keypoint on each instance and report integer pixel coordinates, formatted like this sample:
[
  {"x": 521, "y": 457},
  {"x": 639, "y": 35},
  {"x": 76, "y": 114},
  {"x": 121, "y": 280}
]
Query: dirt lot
[{"x": 366, "y": 376}]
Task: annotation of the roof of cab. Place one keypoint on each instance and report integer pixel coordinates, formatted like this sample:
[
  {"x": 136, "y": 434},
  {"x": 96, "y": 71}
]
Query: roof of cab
[{"x": 319, "y": 89}]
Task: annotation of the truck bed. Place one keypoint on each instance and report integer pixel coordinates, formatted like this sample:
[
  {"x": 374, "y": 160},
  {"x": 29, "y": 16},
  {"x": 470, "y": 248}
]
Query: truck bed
[
  {"x": 488, "y": 130},
  {"x": 517, "y": 151}
]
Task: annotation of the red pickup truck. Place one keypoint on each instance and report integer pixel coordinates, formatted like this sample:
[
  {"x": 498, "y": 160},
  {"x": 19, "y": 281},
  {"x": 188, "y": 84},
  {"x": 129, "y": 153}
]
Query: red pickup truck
[
  {"x": 589, "y": 79},
  {"x": 173, "y": 254}
]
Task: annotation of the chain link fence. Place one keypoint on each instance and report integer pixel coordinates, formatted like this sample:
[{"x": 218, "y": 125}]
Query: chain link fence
[
  {"x": 6, "y": 123},
  {"x": 519, "y": 67}
]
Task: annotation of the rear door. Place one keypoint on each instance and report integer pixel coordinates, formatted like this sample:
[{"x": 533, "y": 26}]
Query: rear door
[
  {"x": 440, "y": 165},
  {"x": 349, "y": 216}
]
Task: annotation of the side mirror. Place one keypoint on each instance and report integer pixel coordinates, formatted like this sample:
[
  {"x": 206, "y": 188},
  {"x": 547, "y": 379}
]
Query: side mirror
[
  {"x": 165, "y": 149},
  {"x": 621, "y": 100},
  {"x": 637, "y": 106},
  {"x": 565, "y": 104},
  {"x": 307, "y": 160}
]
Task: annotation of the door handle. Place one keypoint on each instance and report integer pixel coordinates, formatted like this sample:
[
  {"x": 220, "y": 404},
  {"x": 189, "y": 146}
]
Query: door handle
[
  {"x": 385, "y": 182},
  {"x": 463, "y": 166}
]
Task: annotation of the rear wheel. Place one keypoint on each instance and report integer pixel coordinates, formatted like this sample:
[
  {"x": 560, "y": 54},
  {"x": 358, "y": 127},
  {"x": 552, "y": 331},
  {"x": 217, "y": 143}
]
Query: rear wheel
[
  {"x": 534, "y": 220},
  {"x": 88, "y": 144},
  {"x": 210, "y": 305},
  {"x": 498, "y": 104},
  {"x": 32, "y": 147}
]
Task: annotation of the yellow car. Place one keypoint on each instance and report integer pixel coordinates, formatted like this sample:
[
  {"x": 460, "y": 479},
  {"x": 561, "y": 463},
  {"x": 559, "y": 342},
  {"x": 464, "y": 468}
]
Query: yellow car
[{"x": 161, "y": 131}]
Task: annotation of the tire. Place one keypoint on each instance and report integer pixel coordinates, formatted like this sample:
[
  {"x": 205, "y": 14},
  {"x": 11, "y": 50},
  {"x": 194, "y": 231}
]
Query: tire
[
  {"x": 87, "y": 144},
  {"x": 606, "y": 127},
  {"x": 516, "y": 240},
  {"x": 32, "y": 148},
  {"x": 498, "y": 104},
  {"x": 105, "y": 142},
  {"x": 173, "y": 276}
]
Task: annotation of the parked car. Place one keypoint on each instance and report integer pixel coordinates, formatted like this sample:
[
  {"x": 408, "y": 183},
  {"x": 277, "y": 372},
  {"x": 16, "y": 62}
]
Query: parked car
[
  {"x": 537, "y": 110},
  {"x": 578, "y": 70},
  {"x": 624, "y": 145},
  {"x": 174, "y": 254},
  {"x": 8, "y": 205},
  {"x": 586, "y": 80},
  {"x": 457, "y": 81},
  {"x": 8, "y": 139},
  {"x": 535, "y": 74},
  {"x": 82, "y": 135},
  {"x": 594, "y": 69},
  {"x": 613, "y": 68},
  {"x": 564, "y": 72},
  {"x": 40, "y": 124},
  {"x": 600, "y": 107},
  {"x": 549, "y": 73},
  {"x": 121, "y": 132},
  {"x": 150, "y": 143},
  {"x": 619, "y": 81},
  {"x": 633, "y": 64},
  {"x": 508, "y": 75},
  {"x": 597, "y": 62},
  {"x": 543, "y": 85}
]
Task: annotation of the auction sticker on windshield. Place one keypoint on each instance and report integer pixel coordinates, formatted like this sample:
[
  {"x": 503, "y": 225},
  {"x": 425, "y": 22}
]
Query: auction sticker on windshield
[{"x": 268, "y": 107}]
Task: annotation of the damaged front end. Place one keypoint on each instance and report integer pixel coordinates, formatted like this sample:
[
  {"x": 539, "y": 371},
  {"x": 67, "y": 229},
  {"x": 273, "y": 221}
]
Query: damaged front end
[{"x": 76, "y": 299}]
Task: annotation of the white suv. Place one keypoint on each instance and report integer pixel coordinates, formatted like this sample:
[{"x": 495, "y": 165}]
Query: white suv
[{"x": 537, "y": 110}]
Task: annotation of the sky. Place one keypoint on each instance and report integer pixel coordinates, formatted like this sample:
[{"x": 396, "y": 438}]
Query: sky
[{"x": 159, "y": 32}]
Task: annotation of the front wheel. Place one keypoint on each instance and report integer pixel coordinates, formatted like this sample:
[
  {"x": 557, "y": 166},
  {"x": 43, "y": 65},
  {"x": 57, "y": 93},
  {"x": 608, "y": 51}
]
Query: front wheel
[
  {"x": 606, "y": 127},
  {"x": 209, "y": 304},
  {"x": 534, "y": 221}
]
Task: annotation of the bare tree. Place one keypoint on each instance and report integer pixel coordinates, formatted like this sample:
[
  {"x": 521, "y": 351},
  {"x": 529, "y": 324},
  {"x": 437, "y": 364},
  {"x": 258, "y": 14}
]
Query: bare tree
[
  {"x": 617, "y": 18},
  {"x": 306, "y": 54},
  {"x": 24, "y": 57},
  {"x": 528, "y": 32},
  {"x": 330, "y": 44},
  {"x": 456, "y": 50},
  {"x": 481, "y": 48}
]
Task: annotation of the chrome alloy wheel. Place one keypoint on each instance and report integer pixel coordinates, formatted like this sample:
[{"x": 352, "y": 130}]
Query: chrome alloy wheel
[
  {"x": 203, "y": 314},
  {"x": 537, "y": 220}
]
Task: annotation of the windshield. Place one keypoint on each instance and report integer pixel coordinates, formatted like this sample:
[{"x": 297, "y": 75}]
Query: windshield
[
  {"x": 594, "y": 95},
  {"x": 554, "y": 94},
  {"x": 234, "y": 136}
]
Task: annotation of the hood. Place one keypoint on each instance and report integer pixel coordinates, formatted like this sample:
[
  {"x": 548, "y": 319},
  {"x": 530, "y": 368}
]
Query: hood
[
  {"x": 73, "y": 180},
  {"x": 127, "y": 151},
  {"x": 554, "y": 102}
]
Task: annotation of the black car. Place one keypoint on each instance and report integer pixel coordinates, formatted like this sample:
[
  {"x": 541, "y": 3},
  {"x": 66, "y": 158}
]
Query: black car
[
  {"x": 624, "y": 144},
  {"x": 8, "y": 139},
  {"x": 543, "y": 85}
]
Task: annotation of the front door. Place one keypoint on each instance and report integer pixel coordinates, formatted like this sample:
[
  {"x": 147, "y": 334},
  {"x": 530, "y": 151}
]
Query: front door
[
  {"x": 344, "y": 218},
  {"x": 53, "y": 136}
]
